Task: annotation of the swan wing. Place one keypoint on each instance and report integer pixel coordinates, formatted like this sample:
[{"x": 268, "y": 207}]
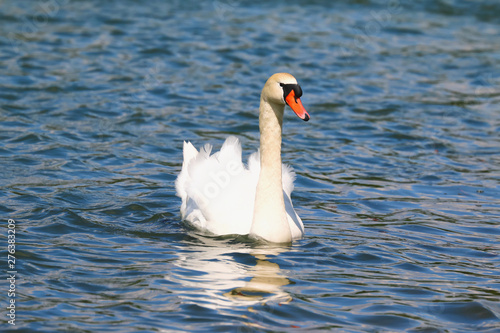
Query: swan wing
[
  {"x": 217, "y": 191},
  {"x": 296, "y": 225}
]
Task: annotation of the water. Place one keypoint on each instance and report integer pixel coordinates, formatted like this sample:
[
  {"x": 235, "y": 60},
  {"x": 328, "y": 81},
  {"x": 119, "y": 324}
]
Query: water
[{"x": 397, "y": 171}]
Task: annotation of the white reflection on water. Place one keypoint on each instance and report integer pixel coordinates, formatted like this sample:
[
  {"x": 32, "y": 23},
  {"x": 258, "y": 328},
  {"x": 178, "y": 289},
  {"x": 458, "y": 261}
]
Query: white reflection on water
[{"x": 218, "y": 275}]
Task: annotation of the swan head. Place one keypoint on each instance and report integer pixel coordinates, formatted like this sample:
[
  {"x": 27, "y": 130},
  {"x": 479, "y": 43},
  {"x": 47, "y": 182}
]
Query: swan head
[{"x": 281, "y": 89}]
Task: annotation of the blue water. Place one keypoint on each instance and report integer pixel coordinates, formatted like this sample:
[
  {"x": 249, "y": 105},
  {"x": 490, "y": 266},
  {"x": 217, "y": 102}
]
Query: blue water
[{"x": 398, "y": 170}]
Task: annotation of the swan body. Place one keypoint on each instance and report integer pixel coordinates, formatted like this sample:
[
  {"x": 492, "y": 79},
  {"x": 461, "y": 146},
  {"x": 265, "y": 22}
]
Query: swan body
[{"x": 223, "y": 196}]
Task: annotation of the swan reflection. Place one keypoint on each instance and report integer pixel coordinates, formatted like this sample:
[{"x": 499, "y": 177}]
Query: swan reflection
[
  {"x": 267, "y": 279},
  {"x": 219, "y": 274}
]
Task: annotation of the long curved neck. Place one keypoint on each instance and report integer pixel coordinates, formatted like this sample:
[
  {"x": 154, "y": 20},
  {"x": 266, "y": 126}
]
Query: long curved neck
[
  {"x": 270, "y": 220},
  {"x": 270, "y": 125}
]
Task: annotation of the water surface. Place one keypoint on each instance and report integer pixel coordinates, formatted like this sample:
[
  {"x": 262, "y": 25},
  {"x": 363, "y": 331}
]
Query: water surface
[{"x": 398, "y": 169}]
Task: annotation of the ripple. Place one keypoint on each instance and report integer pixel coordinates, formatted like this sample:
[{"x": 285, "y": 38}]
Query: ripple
[{"x": 397, "y": 171}]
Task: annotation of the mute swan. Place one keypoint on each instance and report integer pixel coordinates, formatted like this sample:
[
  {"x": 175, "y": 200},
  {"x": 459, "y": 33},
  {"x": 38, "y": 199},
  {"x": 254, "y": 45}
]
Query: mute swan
[{"x": 220, "y": 195}]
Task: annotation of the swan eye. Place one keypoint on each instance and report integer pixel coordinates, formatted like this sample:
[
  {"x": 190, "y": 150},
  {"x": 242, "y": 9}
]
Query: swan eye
[{"x": 287, "y": 89}]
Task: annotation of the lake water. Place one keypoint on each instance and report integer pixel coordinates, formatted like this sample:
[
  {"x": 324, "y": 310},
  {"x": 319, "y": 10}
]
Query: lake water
[{"x": 398, "y": 170}]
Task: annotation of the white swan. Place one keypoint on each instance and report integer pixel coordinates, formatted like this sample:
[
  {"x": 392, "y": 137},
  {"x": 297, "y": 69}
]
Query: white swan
[{"x": 220, "y": 195}]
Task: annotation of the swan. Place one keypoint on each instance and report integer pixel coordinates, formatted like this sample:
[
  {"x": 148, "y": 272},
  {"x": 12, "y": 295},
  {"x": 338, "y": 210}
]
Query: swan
[{"x": 221, "y": 196}]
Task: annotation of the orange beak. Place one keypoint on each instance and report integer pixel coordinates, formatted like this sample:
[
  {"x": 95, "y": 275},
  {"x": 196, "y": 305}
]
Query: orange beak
[{"x": 296, "y": 105}]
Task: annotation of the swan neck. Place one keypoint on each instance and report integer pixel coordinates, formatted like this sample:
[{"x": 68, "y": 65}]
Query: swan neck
[
  {"x": 270, "y": 219},
  {"x": 270, "y": 124}
]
